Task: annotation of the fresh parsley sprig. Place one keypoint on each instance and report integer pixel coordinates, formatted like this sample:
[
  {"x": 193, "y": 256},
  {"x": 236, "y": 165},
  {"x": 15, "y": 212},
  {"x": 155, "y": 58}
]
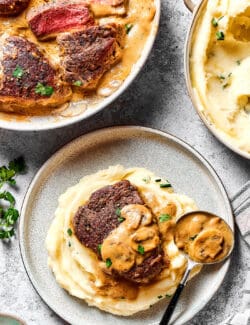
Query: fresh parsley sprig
[
  {"x": 7, "y": 174},
  {"x": 9, "y": 215}
]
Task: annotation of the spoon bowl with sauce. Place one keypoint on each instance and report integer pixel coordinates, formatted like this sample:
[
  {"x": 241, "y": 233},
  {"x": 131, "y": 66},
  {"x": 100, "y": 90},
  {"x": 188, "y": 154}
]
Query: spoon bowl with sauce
[{"x": 205, "y": 239}]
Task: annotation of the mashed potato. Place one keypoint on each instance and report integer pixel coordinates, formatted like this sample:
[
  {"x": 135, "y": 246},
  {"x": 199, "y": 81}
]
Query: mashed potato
[
  {"x": 76, "y": 267},
  {"x": 220, "y": 68}
]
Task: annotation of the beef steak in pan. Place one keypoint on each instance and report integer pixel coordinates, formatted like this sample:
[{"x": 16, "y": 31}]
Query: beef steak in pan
[
  {"x": 28, "y": 81},
  {"x": 12, "y": 7},
  {"x": 48, "y": 20},
  {"x": 88, "y": 54}
]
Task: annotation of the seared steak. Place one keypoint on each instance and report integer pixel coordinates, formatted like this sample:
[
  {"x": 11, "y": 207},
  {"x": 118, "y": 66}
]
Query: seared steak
[
  {"x": 29, "y": 84},
  {"x": 88, "y": 54},
  {"x": 48, "y": 20},
  {"x": 94, "y": 221},
  {"x": 12, "y": 7}
]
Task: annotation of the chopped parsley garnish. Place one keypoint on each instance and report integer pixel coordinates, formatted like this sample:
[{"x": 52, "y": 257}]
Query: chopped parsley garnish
[
  {"x": 158, "y": 180},
  {"x": 69, "y": 231},
  {"x": 108, "y": 262},
  {"x": 118, "y": 212},
  {"x": 225, "y": 80},
  {"x": 238, "y": 62},
  {"x": 215, "y": 22},
  {"x": 165, "y": 185},
  {"x": 165, "y": 217},
  {"x": 220, "y": 36},
  {"x": 128, "y": 28},
  {"x": 168, "y": 296},
  {"x": 147, "y": 179},
  {"x": 140, "y": 249},
  {"x": 18, "y": 72},
  {"x": 193, "y": 237},
  {"x": 8, "y": 214},
  {"x": 77, "y": 83},
  {"x": 69, "y": 243},
  {"x": 99, "y": 247},
  {"x": 121, "y": 219},
  {"x": 44, "y": 90},
  {"x": 159, "y": 297}
]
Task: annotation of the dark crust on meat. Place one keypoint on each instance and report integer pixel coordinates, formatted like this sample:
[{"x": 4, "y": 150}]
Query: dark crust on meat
[
  {"x": 93, "y": 223},
  {"x": 148, "y": 269},
  {"x": 88, "y": 54},
  {"x": 12, "y": 7},
  {"x": 18, "y": 94},
  {"x": 19, "y": 52}
]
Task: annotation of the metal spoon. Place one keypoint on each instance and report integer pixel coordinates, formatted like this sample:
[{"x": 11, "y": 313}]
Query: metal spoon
[{"x": 190, "y": 265}]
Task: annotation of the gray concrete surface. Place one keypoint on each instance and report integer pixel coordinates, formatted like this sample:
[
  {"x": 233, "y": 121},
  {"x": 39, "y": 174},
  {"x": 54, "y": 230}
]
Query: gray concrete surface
[{"x": 158, "y": 98}]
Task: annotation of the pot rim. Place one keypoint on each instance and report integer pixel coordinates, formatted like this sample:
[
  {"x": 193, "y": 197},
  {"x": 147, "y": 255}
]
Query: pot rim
[
  {"x": 209, "y": 125},
  {"x": 11, "y": 316}
]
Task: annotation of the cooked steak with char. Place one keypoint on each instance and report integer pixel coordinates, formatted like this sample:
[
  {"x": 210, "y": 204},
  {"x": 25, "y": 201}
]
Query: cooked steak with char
[
  {"x": 48, "y": 20},
  {"x": 12, "y": 7},
  {"x": 88, "y": 54},
  {"x": 29, "y": 83},
  {"x": 94, "y": 221}
]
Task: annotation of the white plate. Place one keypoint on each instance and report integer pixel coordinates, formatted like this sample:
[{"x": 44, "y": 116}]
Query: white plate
[{"x": 130, "y": 146}]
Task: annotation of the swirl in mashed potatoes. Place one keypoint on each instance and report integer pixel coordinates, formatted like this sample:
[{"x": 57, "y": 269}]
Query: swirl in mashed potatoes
[{"x": 79, "y": 270}]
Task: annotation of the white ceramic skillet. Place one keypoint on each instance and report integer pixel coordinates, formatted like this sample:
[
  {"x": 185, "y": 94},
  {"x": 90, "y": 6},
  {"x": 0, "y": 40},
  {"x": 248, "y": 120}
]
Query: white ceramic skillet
[
  {"x": 197, "y": 10},
  {"x": 38, "y": 123}
]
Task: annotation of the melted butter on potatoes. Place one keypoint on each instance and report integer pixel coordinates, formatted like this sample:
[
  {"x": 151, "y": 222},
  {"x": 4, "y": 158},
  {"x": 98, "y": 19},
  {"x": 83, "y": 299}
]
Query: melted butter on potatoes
[{"x": 144, "y": 228}]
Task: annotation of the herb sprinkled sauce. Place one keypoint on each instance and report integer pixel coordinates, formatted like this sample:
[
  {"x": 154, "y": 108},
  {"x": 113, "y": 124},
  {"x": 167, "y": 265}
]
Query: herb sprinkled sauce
[{"x": 206, "y": 238}]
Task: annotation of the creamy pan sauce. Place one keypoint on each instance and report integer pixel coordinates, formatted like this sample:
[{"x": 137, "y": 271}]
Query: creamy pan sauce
[
  {"x": 139, "y": 18},
  {"x": 205, "y": 238},
  {"x": 78, "y": 269}
]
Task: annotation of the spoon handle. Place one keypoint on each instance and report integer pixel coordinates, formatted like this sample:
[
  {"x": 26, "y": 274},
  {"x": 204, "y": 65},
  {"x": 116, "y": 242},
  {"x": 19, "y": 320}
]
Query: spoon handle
[
  {"x": 171, "y": 307},
  {"x": 173, "y": 302}
]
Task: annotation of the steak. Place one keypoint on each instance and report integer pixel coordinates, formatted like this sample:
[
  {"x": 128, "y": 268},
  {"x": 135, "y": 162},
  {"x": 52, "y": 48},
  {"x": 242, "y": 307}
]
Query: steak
[
  {"x": 12, "y": 7},
  {"x": 88, "y": 54},
  {"x": 29, "y": 84},
  {"x": 48, "y": 20},
  {"x": 94, "y": 221}
]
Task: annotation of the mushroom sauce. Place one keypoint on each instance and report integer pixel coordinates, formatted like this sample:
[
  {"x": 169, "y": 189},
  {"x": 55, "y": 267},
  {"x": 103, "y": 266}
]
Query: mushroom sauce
[
  {"x": 138, "y": 24},
  {"x": 205, "y": 238}
]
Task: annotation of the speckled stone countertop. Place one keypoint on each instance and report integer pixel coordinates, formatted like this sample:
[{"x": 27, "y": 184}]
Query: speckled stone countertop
[{"x": 158, "y": 98}]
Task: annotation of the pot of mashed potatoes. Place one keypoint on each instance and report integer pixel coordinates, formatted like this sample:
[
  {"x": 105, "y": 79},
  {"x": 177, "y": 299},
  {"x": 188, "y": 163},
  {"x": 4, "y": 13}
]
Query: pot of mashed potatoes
[
  {"x": 218, "y": 69},
  {"x": 111, "y": 242}
]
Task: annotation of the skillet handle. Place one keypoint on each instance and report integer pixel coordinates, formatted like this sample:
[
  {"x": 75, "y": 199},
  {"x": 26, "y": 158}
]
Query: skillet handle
[{"x": 190, "y": 5}]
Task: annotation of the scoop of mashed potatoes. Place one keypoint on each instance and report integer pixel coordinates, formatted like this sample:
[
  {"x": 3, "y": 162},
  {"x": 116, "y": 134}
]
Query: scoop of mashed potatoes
[
  {"x": 220, "y": 68},
  {"x": 77, "y": 268}
]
